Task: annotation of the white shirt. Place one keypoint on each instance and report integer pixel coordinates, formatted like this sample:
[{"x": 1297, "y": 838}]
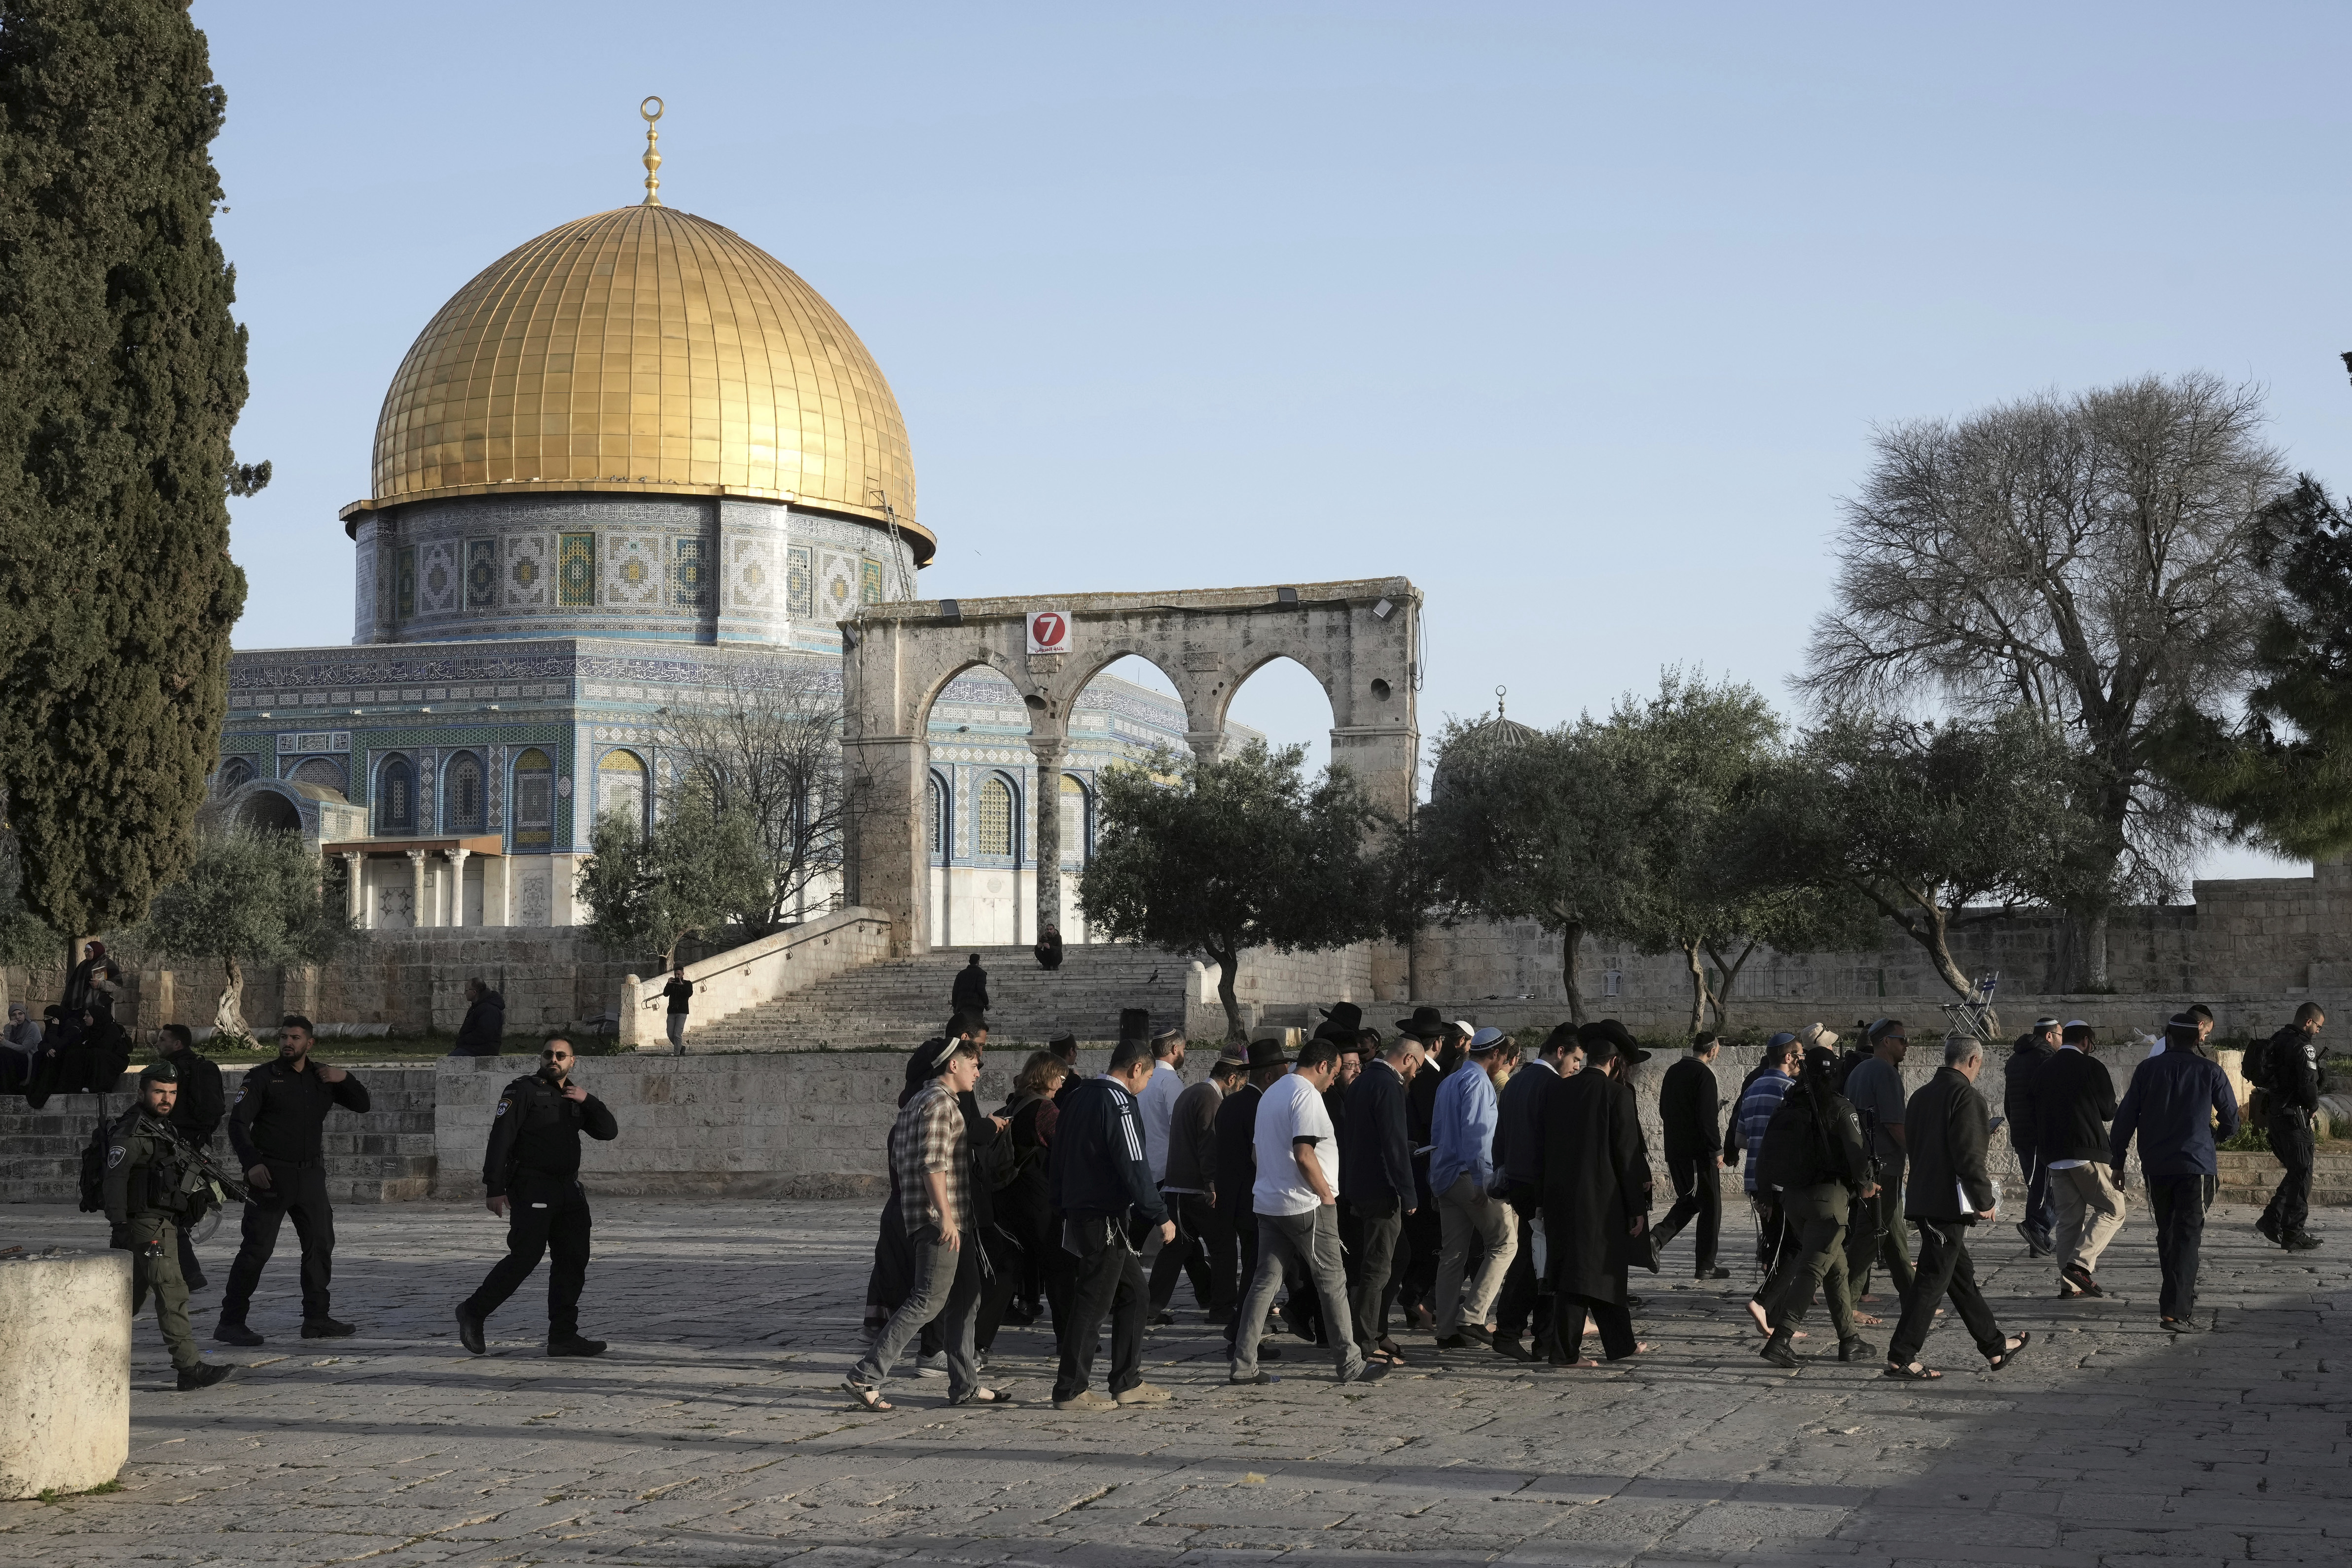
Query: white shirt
[
  {"x": 1291, "y": 1109},
  {"x": 1159, "y": 1104}
]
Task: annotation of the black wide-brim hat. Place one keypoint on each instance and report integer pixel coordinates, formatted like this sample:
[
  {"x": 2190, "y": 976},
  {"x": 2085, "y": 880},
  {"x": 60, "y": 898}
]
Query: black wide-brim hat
[
  {"x": 1341, "y": 1018},
  {"x": 1267, "y": 1053},
  {"x": 1426, "y": 1024},
  {"x": 1621, "y": 1039}
]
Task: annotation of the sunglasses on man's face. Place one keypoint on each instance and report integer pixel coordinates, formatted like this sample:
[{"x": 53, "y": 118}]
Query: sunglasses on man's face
[{"x": 555, "y": 1055}]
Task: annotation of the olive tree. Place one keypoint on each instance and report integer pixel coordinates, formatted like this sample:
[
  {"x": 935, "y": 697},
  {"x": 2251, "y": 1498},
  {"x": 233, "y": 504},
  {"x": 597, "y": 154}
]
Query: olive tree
[
  {"x": 251, "y": 897},
  {"x": 694, "y": 874},
  {"x": 1242, "y": 853}
]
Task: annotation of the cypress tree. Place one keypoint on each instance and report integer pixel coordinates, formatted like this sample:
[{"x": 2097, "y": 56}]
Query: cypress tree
[{"x": 122, "y": 373}]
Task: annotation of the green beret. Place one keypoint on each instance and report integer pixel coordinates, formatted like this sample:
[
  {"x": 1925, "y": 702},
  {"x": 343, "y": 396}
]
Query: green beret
[{"x": 159, "y": 1072}]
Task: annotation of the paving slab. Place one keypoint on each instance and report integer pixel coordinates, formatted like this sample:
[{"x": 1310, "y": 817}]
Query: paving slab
[{"x": 713, "y": 1434}]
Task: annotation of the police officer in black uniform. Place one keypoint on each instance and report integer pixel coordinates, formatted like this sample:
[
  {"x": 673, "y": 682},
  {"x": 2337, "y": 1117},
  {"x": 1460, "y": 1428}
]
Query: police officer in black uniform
[
  {"x": 2293, "y": 1097},
  {"x": 153, "y": 1184},
  {"x": 196, "y": 1117},
  {"x": 275, "y": 1127},
  {"x": 533, "y": 1171}
]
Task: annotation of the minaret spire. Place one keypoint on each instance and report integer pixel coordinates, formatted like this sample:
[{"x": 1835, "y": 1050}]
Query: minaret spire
[{"x": 652, "y": 109}]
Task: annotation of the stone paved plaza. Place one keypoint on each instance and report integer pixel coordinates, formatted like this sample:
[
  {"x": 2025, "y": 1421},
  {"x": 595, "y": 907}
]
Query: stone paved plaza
[{"x": 713, "y": 1434}]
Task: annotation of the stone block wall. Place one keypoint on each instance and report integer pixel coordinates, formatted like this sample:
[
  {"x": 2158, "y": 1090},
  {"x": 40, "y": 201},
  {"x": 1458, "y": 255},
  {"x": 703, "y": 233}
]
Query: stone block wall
[{"x": 388, "y": 1154}]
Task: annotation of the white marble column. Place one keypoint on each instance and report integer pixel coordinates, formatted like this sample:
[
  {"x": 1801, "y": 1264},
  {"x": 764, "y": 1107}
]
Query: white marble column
[
  {"x": 421, "y": 912},
  {"x": 456, "y": 884},
  {"x": 357, "y": 890}
]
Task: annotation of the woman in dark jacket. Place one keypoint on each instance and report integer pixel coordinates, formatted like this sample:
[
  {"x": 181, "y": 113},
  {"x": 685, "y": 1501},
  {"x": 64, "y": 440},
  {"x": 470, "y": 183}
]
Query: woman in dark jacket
[
  {"x": 1024, "y": 1207},
  {"x": 1813, "y": 1154}
]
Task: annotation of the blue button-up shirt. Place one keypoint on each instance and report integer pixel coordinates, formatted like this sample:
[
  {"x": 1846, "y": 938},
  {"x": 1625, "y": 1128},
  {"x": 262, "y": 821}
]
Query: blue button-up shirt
[{"x": 1462, "y": 1129}]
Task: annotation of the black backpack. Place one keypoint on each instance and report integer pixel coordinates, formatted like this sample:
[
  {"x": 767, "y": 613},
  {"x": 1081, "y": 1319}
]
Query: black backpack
[
  {"x": 93, "y": 1165},
  {"x": 2261, "y": 1064}
]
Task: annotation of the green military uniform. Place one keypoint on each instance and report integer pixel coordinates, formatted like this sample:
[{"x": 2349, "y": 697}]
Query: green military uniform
[{"x": 149, "y": 1177}]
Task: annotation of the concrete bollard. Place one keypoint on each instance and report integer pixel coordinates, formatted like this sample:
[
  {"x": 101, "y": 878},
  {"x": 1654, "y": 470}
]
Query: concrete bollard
[{"x": 65, "y": 1371}]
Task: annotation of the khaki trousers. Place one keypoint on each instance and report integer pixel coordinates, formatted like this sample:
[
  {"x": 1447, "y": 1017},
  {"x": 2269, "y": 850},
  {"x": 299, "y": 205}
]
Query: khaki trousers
[
  {"x": 2090, "y": 1211},
  {"x": 1466, "y": 1214}
]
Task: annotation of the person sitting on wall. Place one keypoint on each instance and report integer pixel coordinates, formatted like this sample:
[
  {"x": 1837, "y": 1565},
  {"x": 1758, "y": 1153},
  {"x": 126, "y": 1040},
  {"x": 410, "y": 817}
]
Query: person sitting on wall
[{"x": 486, "y": 1022}]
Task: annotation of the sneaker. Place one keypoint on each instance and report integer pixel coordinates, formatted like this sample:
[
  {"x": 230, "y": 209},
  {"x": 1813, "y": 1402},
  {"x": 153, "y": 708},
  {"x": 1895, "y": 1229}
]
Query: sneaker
[
  {"x": 1373, "y": 1371},
  {"x": 1143, "y": 1393},
  {"x": 1159, "y": 1320},
  {"x": 202, "y": 1375},
  {"x": 2034, "y": 1246},
  {"x": 1260, "y": 1381},
  {"x": 2183, "y": 1326},
  {"x": 572, "y": 1345},
  {"x": 1713, "y": 1274},
  {"x": 931, "y": 1366},
  {"x": 327, "y": 1329},
  {"x": 229, "y": 1333},
  {"x": 1086, "y": 1403},
  {"x": 469, "y": 1331},
  {"x": 2300, "y": 1241}
]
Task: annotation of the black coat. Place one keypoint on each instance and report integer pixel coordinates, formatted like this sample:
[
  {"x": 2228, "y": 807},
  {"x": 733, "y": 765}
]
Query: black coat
[
  {"x": 1945, "y": 1125},
  {"x": 196, "y": 1114},
  {"x": 2018, "y": 1075},
  {"x": 1690, "y": 1105},
  {"x": 2294, "y": 1069},
  {"x": 1375, "y": 1153},
  {"x": 484, "y": 1028},
  {"x": 536, "y": 1132},
  {"x": 1237, "y": 1150},
  {"x": 1594, "y": 1179},
  {"x": 1518, "y": 1125},
  {"x": 279, "y": 1113},
  {"x": 971, "y": 993},
  {"x": 2075, "y": 1097}
]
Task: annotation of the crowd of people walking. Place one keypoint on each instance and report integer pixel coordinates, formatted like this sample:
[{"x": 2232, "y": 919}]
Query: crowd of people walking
[{"x": 1442, "y": 1180}]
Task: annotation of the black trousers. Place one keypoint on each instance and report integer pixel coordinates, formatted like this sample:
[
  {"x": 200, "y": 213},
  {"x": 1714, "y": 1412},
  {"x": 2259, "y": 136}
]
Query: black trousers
[
  {"x": 1515, "y": 1303},
  {"x": 1698, "y": 1193},
  {"x": 1203, "y": 1250},
  {"x": 2290, "y": 1141},
  {"x": 545, "y": 1218},
  {"x": 1425, "y": 1235},
  {"x": 1381, "y": 1254},
  {"x": 2041, "y": 1212},
  {"x": 1108, "y": 1279},
  {"x": 1617, "y": 1339},
  {"x": 2178, "y": 1204},
  {"x": 298, "y": 1193},
  {"x": 1944, "y": 1270}
]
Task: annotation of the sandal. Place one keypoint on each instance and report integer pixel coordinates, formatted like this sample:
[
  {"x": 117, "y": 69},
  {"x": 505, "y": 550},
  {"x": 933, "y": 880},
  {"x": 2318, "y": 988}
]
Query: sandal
[
  {"x": 2010, "y": 1352},
  {"x": 993, "y": 1398},
  {"x": 870, "y": 1398},
  {"x": 1393, "y": 1351},
  {"x": 1914, "y": 1373}
]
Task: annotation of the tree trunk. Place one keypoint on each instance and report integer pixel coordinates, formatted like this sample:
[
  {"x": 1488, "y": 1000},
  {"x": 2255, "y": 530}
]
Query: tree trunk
[
  {"x": 229, "y": 1019},
  {"x": 1235, "y": 1030},
  {"x": 1700, "y": 995},
  {"x": 1730, "y": 973},
  {"x": 2090, "y": 942},
  {"x": 1571, "y": 937}
]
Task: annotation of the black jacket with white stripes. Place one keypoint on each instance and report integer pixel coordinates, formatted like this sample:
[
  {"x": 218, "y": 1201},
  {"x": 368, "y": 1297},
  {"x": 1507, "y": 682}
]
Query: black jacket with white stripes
[{"x": 1098, "y": 1168}]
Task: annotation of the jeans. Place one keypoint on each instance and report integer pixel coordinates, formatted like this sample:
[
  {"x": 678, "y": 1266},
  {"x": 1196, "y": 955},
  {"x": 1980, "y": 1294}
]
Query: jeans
[
  {"x": 1465, "y": 1212},
  {"x": 1109, "y": 1279},
  {"x": 1381, "y": 1255},
  {"x": 298, "y": 1193},
  {"x": 1309, "y": 1244},
  {"x": 1698, "y": 1193},
  {"x": 677, "y": 1034},
  {"x": 2178, "y": 1205},
  {"x": 1944, "y": 1270},
  {"x": 544, "y": 1216},
  {"x": 2290, "y": 1207},
  {"x": 1203, "y": 1249},
  {"x": 947, "y": 1286},
  {"x": 2090, "y": 1211},
  {"x": 1817, "y": 1214}
]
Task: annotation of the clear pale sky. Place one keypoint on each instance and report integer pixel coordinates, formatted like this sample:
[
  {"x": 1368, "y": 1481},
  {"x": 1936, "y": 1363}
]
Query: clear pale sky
[{"x": 1578, "y": 317}]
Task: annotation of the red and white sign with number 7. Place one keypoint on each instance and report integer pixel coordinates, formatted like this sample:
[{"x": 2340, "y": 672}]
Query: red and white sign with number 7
[{"x": 1049, "y": 631}]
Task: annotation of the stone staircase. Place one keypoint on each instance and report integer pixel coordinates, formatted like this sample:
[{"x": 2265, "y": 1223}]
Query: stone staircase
[
  {"x": 900, "y": 1002},
  {"x": 2249, "y": 1176}
]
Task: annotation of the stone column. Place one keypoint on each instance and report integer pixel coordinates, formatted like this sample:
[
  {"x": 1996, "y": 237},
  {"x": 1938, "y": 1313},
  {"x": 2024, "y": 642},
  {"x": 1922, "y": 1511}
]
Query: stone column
[
  {"x": 419, "y": 910},
  {"x": 356, "y": 863},
  {"x": 505, "y": 874},
  {"x": 1208, "y": 745},
  {"x": 458, "y": 885},
  {"x": 1048, "y": 751}
]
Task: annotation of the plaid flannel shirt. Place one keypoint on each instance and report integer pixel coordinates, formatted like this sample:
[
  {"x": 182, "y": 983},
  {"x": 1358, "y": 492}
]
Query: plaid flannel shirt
[{"x": 928, "y": 1137}]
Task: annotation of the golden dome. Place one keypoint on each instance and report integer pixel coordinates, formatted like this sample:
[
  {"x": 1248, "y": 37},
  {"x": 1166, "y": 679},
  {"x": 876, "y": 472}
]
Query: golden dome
[{"x": 645, "y": 351}]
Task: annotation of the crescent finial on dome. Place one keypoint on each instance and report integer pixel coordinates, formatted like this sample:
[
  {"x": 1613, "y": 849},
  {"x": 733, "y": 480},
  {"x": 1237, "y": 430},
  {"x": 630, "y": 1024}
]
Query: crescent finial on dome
[{"x": 652, "y": 110}]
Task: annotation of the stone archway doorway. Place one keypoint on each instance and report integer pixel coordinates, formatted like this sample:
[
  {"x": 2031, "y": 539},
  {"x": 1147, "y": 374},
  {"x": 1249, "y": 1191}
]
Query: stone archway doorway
[{"x": 1358, "y": 638}]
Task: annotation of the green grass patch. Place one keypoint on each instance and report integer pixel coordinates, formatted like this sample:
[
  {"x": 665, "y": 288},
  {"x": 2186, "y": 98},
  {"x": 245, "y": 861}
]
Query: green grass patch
[{"x": 51, "y": 1494}]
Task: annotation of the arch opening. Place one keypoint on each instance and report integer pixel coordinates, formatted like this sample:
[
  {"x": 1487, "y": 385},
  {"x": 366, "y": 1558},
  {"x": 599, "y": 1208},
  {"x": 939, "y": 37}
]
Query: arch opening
[{"x": 1283, "y": 702}]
